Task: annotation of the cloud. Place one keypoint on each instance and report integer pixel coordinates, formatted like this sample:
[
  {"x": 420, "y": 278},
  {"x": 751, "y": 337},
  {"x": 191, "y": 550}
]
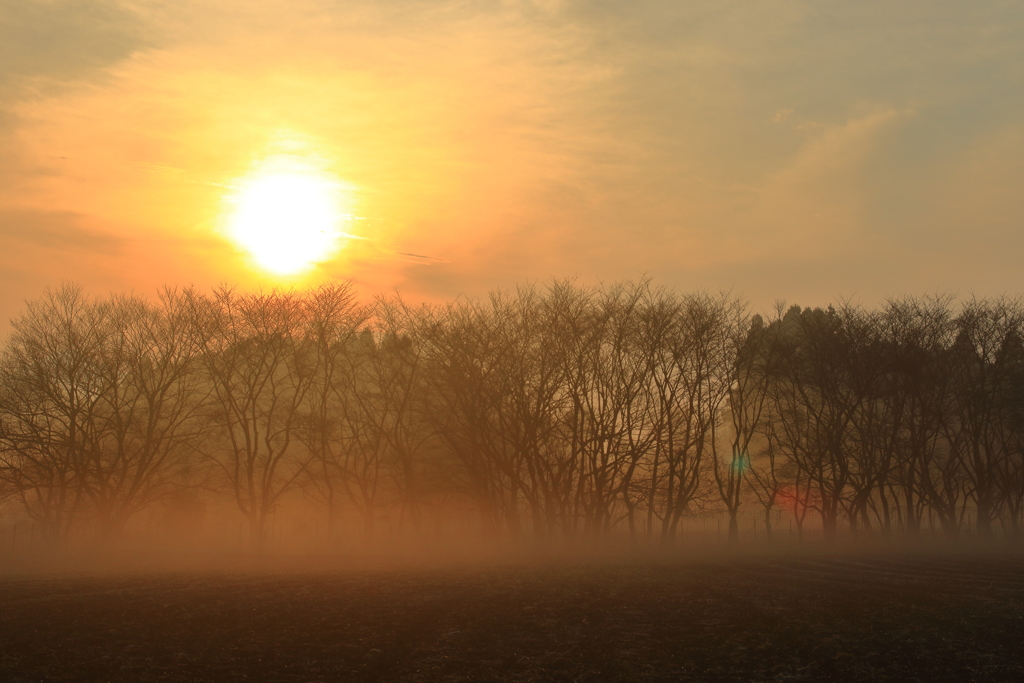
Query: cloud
[
  {"x": 49, "y": 42},
  {"x": 50, "y": 48},
  {"x": 705, "y": 142},
  {"x": 55, "y": 230},
  {"x": 818, "y": 199},
  {"x": 421, "y": 258},
  {"x": 41, "y": 248}
]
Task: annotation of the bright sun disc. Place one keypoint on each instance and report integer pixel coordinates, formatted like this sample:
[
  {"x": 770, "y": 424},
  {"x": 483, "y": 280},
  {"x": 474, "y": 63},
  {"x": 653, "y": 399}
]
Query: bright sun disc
[{"x": 287, "y": 220}]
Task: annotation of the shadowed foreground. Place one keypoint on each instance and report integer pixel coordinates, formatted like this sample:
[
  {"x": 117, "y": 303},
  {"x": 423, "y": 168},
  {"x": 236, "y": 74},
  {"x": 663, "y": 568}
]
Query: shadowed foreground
[{"x": 813, "y": 619}]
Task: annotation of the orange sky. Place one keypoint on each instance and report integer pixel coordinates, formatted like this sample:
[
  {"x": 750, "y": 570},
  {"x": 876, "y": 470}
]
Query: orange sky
[{"x": 784, "y": 150}]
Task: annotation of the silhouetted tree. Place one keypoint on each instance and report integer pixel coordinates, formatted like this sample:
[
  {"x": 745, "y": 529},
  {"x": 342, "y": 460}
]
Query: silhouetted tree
[{"x": 261, "y": 370}]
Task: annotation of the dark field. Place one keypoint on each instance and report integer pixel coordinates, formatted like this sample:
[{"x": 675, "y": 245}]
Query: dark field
[{"x": 813, "y": 619}]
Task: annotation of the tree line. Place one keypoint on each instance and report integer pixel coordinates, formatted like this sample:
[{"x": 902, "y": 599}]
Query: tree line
[{"x": 558, "y": 412}]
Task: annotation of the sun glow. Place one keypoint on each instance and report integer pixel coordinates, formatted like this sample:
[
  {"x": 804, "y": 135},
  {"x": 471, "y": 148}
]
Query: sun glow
[{"x": 287, "y": 217}]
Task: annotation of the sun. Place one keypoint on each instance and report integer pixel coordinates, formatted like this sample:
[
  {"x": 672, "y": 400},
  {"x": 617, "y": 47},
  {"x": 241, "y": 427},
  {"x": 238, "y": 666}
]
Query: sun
[{"x": 287, "y": 217}]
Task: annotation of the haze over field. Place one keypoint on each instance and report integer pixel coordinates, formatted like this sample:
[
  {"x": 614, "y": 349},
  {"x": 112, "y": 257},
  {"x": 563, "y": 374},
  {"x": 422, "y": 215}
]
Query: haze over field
[
  {"x": 511, "y": 340},
  {"x": 783, "y": 149}
]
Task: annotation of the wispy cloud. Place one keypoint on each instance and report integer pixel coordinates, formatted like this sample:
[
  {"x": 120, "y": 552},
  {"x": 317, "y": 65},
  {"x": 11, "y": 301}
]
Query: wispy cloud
[
  {"x": 48, "y": 43},
  {"x": 421, "y": 257},
  {"x": 706, "y": 143},
  {"x": 56, "y": 230}
]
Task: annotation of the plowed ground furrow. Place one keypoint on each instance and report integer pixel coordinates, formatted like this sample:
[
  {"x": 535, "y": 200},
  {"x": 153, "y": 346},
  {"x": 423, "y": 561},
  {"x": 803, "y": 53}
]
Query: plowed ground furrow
[
  {"x": 809, "y": 619},
  {"x": 993, "y": 571},
  {"x": 933, "y": 578},
  {"x": 929, "y": 568},
  {"x": 785, "y": 576},
  {"x": 1005, "y": 576}
]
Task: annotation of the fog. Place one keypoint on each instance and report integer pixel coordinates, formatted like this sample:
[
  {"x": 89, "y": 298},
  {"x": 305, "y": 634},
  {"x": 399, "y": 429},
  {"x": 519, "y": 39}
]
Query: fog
[{"x": 322, "y": 429}]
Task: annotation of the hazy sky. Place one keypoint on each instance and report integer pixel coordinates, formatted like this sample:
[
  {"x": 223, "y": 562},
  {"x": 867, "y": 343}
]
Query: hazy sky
[{"x": 796, "y": 150}]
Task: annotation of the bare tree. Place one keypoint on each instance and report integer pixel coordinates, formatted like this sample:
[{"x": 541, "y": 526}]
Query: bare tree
[
  {"x": 463, "y": 354},
  {"x": 48, "y": 396},
  {"x": 690, "y": 382},
  {"x": 333, "y": 320},
  {"x": 816, "y": 393},
  {"x": 747, "y": 354},
  {"x": 99, "y": 406},
  {"x": 146, "y": 421},
  {"x": 261, "y": 371},
  {"x": 981, "y": 383},
  {"x": 915, "y": 334}
]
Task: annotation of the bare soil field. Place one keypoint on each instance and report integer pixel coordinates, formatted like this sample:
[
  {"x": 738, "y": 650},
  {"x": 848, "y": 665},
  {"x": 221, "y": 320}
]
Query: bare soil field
[{"x": 883, "y": 618}]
